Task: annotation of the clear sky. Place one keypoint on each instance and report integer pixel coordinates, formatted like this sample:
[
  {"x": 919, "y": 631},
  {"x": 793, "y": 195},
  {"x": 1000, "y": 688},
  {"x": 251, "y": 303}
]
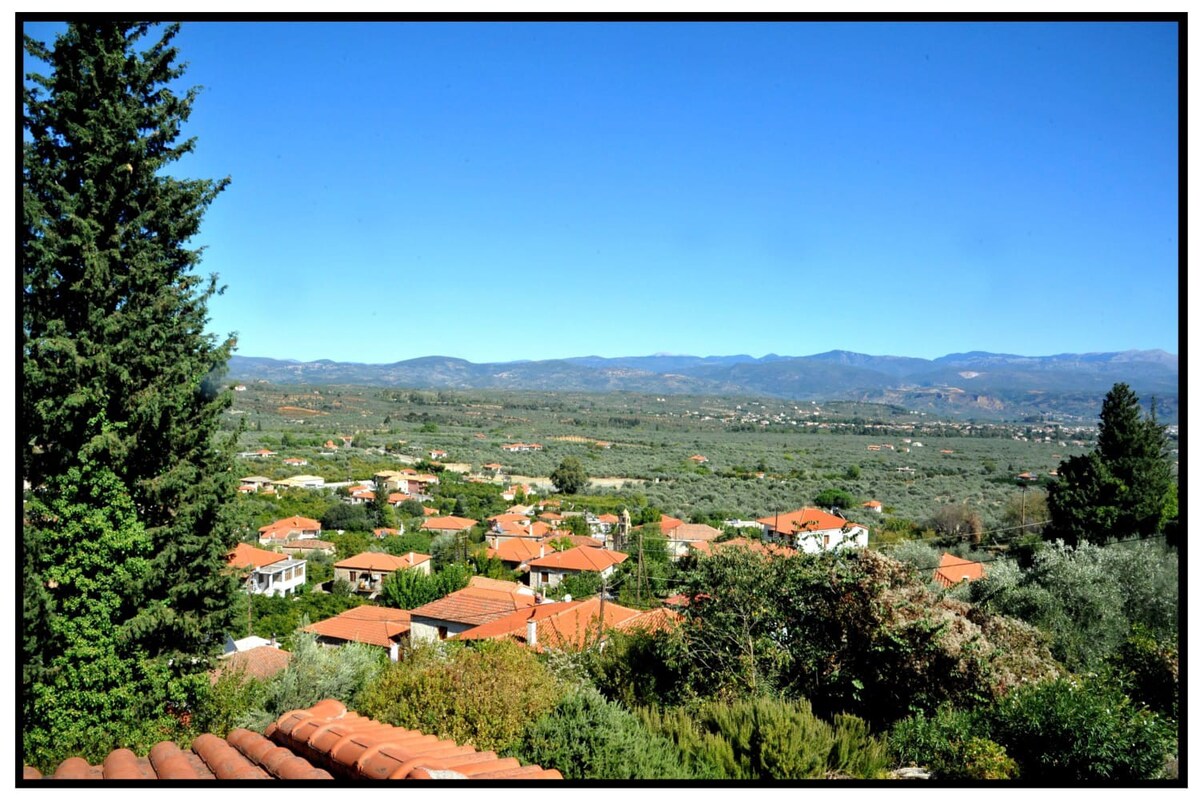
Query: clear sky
[{"x": 504, "y": 191}]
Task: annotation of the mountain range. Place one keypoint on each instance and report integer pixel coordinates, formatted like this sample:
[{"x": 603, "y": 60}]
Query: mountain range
[{"x": 981, "y": 385}]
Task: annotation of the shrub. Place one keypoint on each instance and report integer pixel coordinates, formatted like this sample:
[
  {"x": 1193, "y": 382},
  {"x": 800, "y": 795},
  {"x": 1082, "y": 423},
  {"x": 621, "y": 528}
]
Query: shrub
[
  {"x": 948, "y": 745},
  {"x": 768, "y": 738},
  {"x": 1149, "y": 672},
  {"x": 315, "y": 673},
  {"x": 482, "y": 696},
  {"x": 588, "y": 737},
  {"x": 1080, "y": 730}
]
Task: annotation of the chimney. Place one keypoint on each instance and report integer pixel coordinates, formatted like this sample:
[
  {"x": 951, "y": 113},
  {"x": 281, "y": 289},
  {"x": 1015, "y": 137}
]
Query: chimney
[
  {"x": 394, "y": 652},
  {"x": 411, "y": 558},
  {"x": 543, "y": 550},
  {"x": 531, "y": 633}
]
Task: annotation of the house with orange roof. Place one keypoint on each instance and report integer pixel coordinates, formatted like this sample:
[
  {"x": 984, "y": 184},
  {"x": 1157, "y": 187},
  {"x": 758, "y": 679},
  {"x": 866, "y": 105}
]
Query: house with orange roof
[
  {"x": 306, "y": 546},
  {"x": 365, "y": 624},
  {"x": 509, "y": 494},
  {"x": 384, "y": 532},
  {"x": 295, "y": 462},
  {"x": 813, "y": 530},
  {"x": 254, "y": 482},
  {"x": 651, "y": 621},
  {"x": 454, "y": 524},
  {"x": 366, "y": 571},
  {"x": 258, "y": 453},
  {"x": 873, "y": 505},
  {"x": 951, "y": 571},
  {"x": 564, "y": 626},
  {"x": 698, "y": 459},
  {"x": 552, "y": 518},
  {"x": 520, "y": 446},
  {"x": 258, "y": 663},
  {"x": 483, "y": 600},
  {"x": 565, "y": 541},
  {"x": 548, "y": 571},
  {"x": 437, "y": 454},
  {"x": 668, "y": 523},
  {"x": 290, "y": 529},
  {"x": 515, "y": 553},
  {"x": 493, "y": 467},
  {"x": 268, "y": 573},
  {"x": 709, "y": 548},
  {"x": 682, "y": 537}
]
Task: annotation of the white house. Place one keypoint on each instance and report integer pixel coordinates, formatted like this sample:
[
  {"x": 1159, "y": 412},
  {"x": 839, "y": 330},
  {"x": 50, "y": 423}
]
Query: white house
[
  {"x": 813, "y": 530},
  {"x": 269, "y": 573}
]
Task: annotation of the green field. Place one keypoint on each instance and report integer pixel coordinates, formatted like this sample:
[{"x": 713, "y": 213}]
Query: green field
[{"x": 799, "y": 450}]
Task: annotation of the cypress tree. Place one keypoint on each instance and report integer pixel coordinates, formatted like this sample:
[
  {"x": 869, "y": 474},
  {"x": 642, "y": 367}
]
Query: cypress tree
[
  {"x": 1122, "y": 487},
  {"x": 120, "y": 379}
]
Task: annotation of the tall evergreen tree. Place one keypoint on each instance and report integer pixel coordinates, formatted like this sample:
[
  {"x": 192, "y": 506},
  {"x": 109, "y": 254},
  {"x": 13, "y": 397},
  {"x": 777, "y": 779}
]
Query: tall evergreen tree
[
  {"x": 118, "y": 373},
  {"x": 1120, "y": 489}
]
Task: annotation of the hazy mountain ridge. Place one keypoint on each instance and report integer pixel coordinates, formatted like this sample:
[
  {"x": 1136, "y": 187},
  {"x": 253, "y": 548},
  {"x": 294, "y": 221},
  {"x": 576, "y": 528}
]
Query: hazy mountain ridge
[{"x": 971, "y": 384}]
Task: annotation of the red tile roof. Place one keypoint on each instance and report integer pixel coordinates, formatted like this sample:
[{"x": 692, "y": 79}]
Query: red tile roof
[
  {"x": 607, "y": 518},
  {"x": 509, "y": 517},
  {"x": 382, "y": 532},
  {"x": 651, "y": 621},
  {"x": 872, "y": 503},
  {"x": 381, "y": 561},
  {"x": 707, "y": 548},
  {"x": 291, "y": 524},
  {"x": 245, "y": 556},
  {"x": 693, "y": 532},
  {"x": 669, "y": 523},
  {"x": 258, "y": 663},
  {"x": 454, "y": 523},
  {"x": 473, "y": 605},
  {"x": 580, "y": 559},
  {"x": 560, "y": 625},
  {"x": 516, "y": 550},
  {"x": 366, "y": 624},
  {"x": 325, "y": 742},
  {"x": 311, "y": 543},
  {"x": 951, "y": 570},
  {"x": 804, "y": 520},
  {"x": 577, "y": 540}
]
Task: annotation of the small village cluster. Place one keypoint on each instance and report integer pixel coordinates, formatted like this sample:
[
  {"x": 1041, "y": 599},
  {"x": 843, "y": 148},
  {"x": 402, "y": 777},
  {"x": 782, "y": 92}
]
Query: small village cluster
[{"x": 533, "y": 541}]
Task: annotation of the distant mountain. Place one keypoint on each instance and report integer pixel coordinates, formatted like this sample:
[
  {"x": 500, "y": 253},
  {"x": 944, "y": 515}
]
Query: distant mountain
[{"x": 972, "y": 384}]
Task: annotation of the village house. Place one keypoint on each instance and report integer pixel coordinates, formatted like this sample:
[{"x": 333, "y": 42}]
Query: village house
[
  {"x": 377, "y": 626},
  {"x": 366, "y": 571},
  {"x": 258, "y": 453},
  {"x": 437, "y": 454},
  {"x": 873, "y": 505},
  {"x": 813, "y": 530},
  {"x": 259, "y": 662},
  {"x": 519, "y": 446},
  {"x": 549, "y": 570},
  {"x": 290, "y": 529},
  {"x": 443, "y": 524},
  {"x": 515, "y": 553},
  {"x": 951, "y": 571},
  {"x": 295, "y": 462},
  {"x": 565, "y": 626},
  {"x": 306, "y": 546},
  {"x": 268, "y": 573},
  {"x": 483, "y": 600},
  {"x": 683, "y": 537},
  {"x": 301, "y": 481},
  {"x": 253, "y": 483}
]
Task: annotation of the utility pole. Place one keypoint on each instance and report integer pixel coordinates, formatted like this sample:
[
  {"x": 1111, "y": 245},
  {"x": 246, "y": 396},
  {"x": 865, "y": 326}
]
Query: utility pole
[
  {"x": 249, "y": 606},
  {"x": 641, "y": 568}
]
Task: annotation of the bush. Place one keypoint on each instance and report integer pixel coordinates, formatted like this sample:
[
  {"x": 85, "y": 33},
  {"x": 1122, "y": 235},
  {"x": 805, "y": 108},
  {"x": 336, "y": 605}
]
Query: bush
[
  {"x": 768, "y": 738},
  {"x": 409, "y": 588},
  {"x": 1080, "y": 730},
  {"x": 948, "y": 745},
  {"x": 588, "y": 737},
  {"x": 315, "y": 673},
  {"x": 1149, "y": 672},
  {"x": 483, "y": 696}
]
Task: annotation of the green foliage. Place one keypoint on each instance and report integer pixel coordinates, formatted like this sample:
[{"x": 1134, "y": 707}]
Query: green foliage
[
  {"x": 113, "y": 328},
  {"x": 586, "y": 737},
  {"x": 483, "y": 696},
  {"x": 855, "y": 631},
  {"x": 921, "y": 556},
  {"x": 768, "y": 739},
  {"x": 1080, "y": 730},
  {"x": 411, "y": 507},
  {"x": 314, "y": 673},
  {"x": 229, "y": 701},
  {"x": 569, "y": 477},
  {"x": 1122, "y": 487},
  {"x": 409, "y": 588},
  {"x": 640, "y": 668},
  {"x": 949, "y": 746},
  {"x": 576, "y": 525},
  {"x": 1148, "y": 670},
  {"x": 1087, "y": 598},
  {"x": 98, "y": 688},
  {"x": 579, "y": 585},
  {"x": 281, "y": 616},
  {"x": 835, "y": 498},
  {"x": 352, "y": 518}
]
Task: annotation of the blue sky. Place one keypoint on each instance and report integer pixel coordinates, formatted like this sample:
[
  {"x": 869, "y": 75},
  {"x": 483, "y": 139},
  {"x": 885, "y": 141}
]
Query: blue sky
[{"x": 503, "y": 191}]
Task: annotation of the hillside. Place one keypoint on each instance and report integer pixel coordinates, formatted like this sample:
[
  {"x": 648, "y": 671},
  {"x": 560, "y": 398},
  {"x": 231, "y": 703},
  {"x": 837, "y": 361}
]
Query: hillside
[{"x": 978, "y": 385}]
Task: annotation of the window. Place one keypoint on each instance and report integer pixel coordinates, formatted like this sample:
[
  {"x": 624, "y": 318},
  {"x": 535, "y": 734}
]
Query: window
[{"x": 442, "y": 631}]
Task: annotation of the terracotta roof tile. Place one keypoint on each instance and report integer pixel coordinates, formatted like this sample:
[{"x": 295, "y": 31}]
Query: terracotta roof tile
[
  {"x": 258, "y": 663},
  {"x": 560, "y": 625},
  {"x": 381, "y": 561},
  {"x": 590, "y": 559},
  {"x": 516, "y": 550},
  {"x": 454, "y": 523},
  {"x": 322, "y": 742},
  {"x": 951, "y": 570},
  {"x": 366, "y": 624},
  {"x": 803, "y": 520},
  {"x": 245, "y": 556},
  {"x": 693, "y": 532},
  {"x": 474, "y": 606}
]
